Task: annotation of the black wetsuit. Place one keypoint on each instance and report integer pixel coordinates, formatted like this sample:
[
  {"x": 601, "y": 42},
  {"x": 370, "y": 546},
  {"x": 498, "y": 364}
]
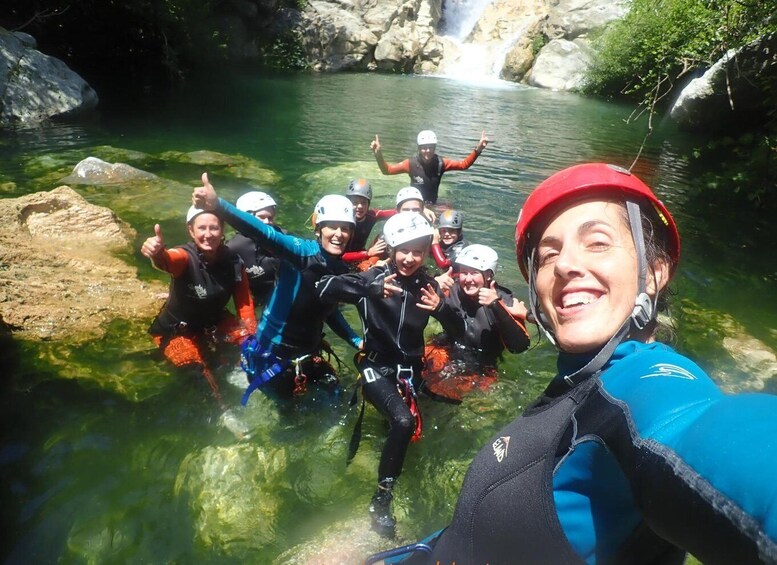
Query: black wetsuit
[
  {"x": 488, "y": 330},
  {"x": 198, "y": 297},
  {"x": 394, "y": 344},
  {"x": 261, "y": 266}
]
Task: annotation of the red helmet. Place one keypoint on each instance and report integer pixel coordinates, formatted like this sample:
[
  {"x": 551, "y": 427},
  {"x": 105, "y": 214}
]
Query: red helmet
[{"x": 575, "y": 183}]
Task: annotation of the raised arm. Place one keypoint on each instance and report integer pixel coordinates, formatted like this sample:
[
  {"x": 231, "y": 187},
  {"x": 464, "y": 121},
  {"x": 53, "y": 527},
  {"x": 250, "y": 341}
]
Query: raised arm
[
  {"x": 282, "y": 245},
  {"x": 466, "y": 163},
  {"x": 387, "y": 168},
  {"x": 173, "y": 261}
]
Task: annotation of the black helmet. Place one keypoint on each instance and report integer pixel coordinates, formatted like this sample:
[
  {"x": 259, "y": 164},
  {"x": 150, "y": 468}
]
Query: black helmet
[{"x": 359, "y": 187}]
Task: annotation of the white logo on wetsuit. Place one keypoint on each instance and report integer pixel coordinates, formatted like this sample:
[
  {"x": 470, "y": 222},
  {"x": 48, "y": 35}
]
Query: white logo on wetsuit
[
  {"x": 500, "y": 447},
  {"x": 667, "y": 370},
  {"x": 419, "y": 180},
  {"x": 255, "y": 271},
  {"x": 200, "y": 290}
]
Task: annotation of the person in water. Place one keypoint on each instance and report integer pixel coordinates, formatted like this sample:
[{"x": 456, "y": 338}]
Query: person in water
[
  {"x": 359, "y": 192},
  {"x": 395, "y": 302},
  {"x": 632, "y": 454},
  {"x": 261, "y": 266},
  {"x": 457, "y": 361},
  {"x": 205, "y": 275},
  {"x": 426, "y": 167},
  {"x": 450, "y": 232},
  {"x": 286, "y": 353}
]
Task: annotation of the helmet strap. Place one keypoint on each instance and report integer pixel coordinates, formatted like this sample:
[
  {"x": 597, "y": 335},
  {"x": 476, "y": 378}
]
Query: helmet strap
[
  {"x": 644, "y": 307},
  {"x": 534, "y": 301}
]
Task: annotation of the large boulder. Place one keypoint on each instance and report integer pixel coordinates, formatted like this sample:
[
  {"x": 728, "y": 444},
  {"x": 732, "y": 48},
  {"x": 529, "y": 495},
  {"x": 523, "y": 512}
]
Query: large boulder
[
  {"x": 561, "y": 65},
  {"x": 737, "y": 90},
  {"x": 59, "y": 277},
  {"x": 334, "y": 38},
  {"x": 35, "y": 87},
  {"x": 569, "y": 19}
]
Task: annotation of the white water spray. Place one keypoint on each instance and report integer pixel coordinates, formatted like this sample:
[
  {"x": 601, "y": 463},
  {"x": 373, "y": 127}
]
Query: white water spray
[{"x": 468, "y": 57}]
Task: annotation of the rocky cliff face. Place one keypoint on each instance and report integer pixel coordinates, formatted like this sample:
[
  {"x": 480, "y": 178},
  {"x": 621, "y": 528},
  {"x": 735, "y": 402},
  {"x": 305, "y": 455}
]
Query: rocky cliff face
[
  {"x": 34, "y": 86},
  {"x": 505, "y": 41}
]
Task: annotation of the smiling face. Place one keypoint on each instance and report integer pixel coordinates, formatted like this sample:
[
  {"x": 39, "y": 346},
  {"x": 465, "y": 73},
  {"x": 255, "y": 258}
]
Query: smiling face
[
  {"x": 471, "y": 280},
  {"x": 449, "y": 236},
  {"x": 360, "y": 207},
  {"x": 426, "y": 152},
  {"x": 334, "y": 236},
  {"x": 410, "y": 256},
  {"x": 587, "y": 274},
  {"x": 207, "y": 233}
]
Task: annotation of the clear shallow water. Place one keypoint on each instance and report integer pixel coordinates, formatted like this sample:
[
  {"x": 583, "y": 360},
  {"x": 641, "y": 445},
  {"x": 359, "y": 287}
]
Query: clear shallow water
[{"x": 109, "y": 455}]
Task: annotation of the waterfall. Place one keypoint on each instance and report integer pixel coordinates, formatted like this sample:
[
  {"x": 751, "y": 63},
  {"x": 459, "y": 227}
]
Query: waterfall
[
  {"x": 460, "y": 16},
  {"x": 468, "y": 56}
]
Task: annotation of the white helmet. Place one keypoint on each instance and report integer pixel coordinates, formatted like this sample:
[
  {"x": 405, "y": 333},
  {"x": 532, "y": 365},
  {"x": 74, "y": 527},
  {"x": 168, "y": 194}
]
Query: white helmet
[
  {"x": 408, "y": 193},
  {"x": 476, "y": 256},
  {"x": 426, "y": 137},
  {"x": 333, "y": 208},
  {"x": 193, "y": 212},
  {"x": 254, "y": 201},
  {"x": 405, "y": 227}
]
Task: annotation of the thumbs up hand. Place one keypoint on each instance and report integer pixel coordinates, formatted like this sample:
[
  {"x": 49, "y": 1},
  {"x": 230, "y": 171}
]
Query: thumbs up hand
[
  {"x": 154, "y": 244},
  {"x": 487, "y": 295},
  {"x": 204, "y": 197}
]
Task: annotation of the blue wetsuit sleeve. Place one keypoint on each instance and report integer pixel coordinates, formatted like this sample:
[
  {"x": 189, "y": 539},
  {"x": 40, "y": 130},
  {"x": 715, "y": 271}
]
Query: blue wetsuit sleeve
[
  {"x": 701, "y": 463},
  {"x": 285, "y": 246},
  {"x": 351, "y": 287},
  {"x": 337, "y": 322}
]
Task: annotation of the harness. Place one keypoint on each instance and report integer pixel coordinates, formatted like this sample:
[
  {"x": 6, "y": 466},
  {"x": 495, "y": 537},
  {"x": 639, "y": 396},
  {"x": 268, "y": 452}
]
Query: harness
[
  {"x": 403, "y": 375},
  {"x": 261, "y": 365}
]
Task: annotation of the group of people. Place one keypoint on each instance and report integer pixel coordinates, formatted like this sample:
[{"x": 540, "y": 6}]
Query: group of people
[{"x": 631, "y": 455}]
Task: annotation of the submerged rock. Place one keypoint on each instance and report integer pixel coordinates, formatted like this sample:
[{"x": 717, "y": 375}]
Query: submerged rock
[
  {"x": 95, "y": 171},
  {"x": 236, "y": 166},
  {"x": 58, "y": 273},
  {"x": 234, "y": 494},
  {"x": 737, "y": 360}
]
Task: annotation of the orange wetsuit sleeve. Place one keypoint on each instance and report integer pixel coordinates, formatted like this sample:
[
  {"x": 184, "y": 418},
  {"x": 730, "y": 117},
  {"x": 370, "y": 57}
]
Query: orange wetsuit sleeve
[
  {"x": 512, "y": 332},
  {"x": 392, "y": 168},
  {"x": 173, "y": 261},
  {"x": 466, "y": 163},
  {"x": 244, "y": 304}
]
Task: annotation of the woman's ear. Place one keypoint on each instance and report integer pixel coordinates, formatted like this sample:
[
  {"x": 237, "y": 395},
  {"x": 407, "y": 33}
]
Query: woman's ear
[{"x": 659, "y": 278}]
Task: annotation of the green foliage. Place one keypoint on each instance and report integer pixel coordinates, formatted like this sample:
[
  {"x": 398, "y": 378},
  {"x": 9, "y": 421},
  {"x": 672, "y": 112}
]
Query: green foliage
[
  {"x": 740, "y": 170},
  {"x": 538, "y": 43},
  {"x": 659, "y": 41},
  {"x": 286, "y": 52}
]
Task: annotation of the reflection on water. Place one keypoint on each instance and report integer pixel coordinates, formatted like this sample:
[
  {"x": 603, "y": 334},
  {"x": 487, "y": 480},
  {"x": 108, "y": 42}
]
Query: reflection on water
[{"x": 108, "y": 454}]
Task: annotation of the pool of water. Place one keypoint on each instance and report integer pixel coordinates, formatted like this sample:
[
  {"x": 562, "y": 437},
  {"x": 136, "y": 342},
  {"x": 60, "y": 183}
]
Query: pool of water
[{"x": 110, "y": 455}]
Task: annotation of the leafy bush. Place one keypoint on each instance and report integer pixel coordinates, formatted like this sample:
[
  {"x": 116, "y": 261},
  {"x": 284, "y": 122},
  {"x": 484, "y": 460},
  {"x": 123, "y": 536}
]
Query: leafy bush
[{"x": 659, "y": 41}]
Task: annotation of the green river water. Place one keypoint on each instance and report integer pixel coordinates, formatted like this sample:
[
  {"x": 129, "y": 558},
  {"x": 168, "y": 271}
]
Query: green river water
[{"x": 110, "y": 456}]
